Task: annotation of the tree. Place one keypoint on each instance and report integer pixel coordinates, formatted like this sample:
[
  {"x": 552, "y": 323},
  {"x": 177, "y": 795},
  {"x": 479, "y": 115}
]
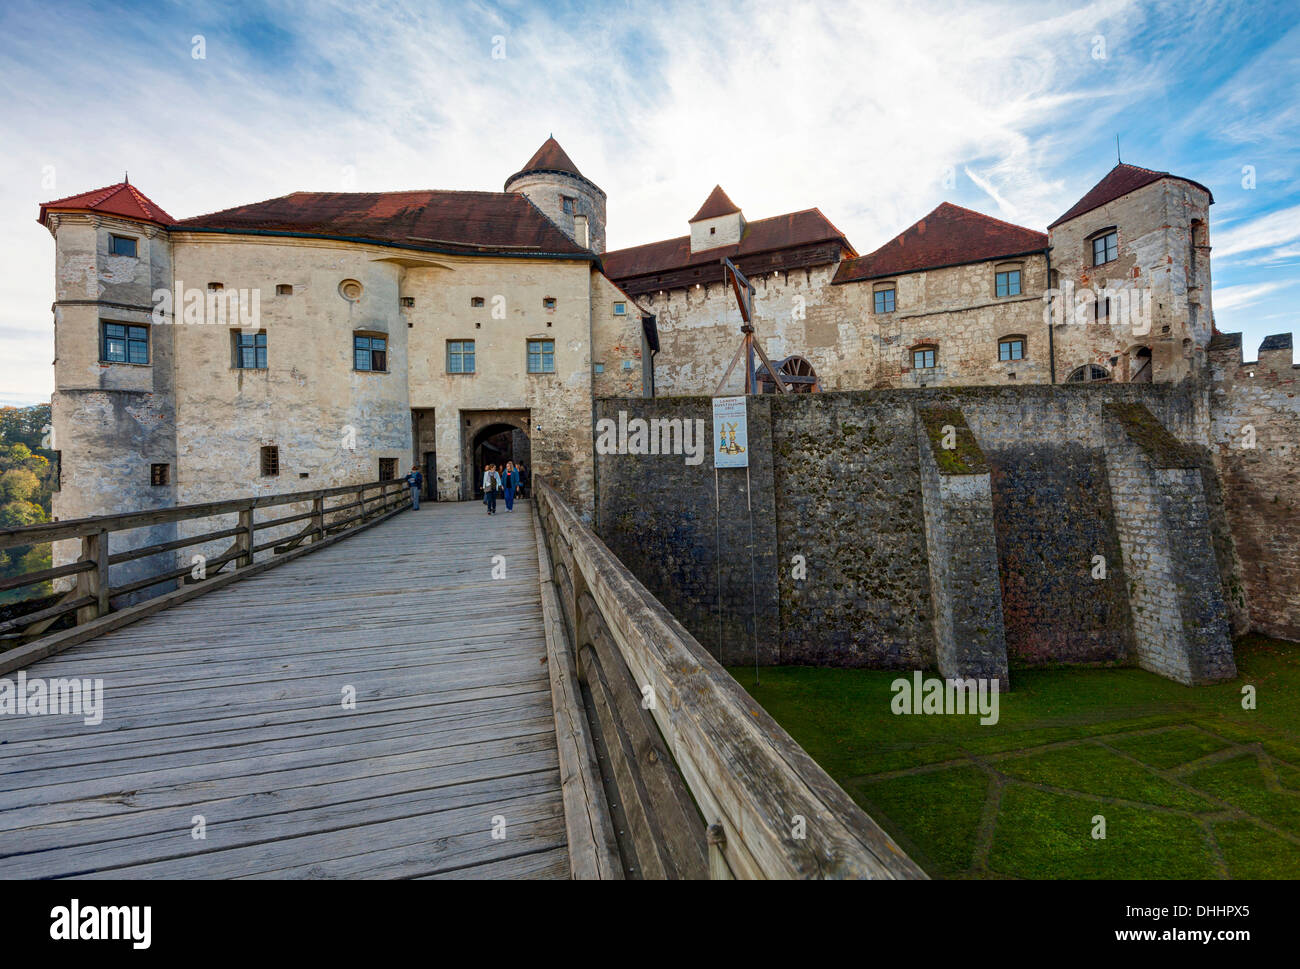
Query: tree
[
  {"x": 18, "y": 514},
  {"x": 19, "y": 484}
]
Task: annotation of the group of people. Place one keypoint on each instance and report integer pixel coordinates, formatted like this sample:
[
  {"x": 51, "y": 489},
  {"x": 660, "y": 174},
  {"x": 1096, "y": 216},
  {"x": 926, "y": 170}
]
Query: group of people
[{"x": 510, "y": 481}]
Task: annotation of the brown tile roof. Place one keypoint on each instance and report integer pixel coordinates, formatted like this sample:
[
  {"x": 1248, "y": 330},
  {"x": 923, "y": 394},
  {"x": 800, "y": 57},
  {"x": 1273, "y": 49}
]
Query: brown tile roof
[
  {"x": 1119, "y": 181},
  {"x": 948, "y": 236},
  {"x": 765, "y": 235},
  {"x": 121, "y": 199},
  {"x": 715, "y": 205},
  {"x": 550, "y": 158},
  {"x": 444, "y": 221}
]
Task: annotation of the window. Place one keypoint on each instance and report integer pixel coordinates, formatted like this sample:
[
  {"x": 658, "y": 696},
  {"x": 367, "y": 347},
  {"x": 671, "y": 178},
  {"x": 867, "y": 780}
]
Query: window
[
  {"x": 713, "y": 230},
  {"x": 1088, "y": 373},
  {"x": 597, "y": 368},
  {"x": 1008, "y": 283},
  {"x": 250, "y": 350},
  {"x": 408, "y": 301},
  {"x": 1011, "y": 348},
  {"x": 460, "y": 356},
  {"x": 121, "y": 246},
  {"x": 1101, "y": 309},
  {"x": 568, "y": 204},
  {"x": 1105, "y": 248},
  {"x": 620, "y": 309},
  {"x": 387, "y": 469},
  {"x": 159, "y": 474},
  {"x": 923, "y": 358},
  {"x": 123, "y": 343},
  {"x": 216, "y": 287},
  {"x": 885, "y": 299},
  {"x": 541, "y": 356},
  {"x": 476, "y": 301},
  {"x": 283, "y": 289},
  {"x": 270, "y": 461},
  {"x": 370, "y": 353},
  {"x": 548, "y": 303}
]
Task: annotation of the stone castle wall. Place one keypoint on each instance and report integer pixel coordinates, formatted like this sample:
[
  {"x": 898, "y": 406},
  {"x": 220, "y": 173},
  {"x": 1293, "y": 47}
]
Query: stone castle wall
[
  {"x": 897, "y": 541},
  {"x": 1258, "y": 403}
]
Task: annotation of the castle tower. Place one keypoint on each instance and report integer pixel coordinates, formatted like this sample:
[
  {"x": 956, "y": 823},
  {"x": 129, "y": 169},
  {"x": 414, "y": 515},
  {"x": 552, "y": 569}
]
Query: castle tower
[
  {"x": 113, "y": 408},
  {"x": 719, "y": 222},
  {"x": 553, "y": 183},
  {"x": 1139, "y": 241}
]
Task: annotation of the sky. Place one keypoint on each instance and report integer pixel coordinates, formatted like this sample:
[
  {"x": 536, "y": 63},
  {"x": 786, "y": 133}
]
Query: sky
[{"x": 874, "y": 112}]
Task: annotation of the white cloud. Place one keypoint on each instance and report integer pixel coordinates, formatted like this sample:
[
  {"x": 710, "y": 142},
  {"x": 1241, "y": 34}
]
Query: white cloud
[
  {"x": 1275, "y": 229},
  {"x": 1239, "y": 297}
]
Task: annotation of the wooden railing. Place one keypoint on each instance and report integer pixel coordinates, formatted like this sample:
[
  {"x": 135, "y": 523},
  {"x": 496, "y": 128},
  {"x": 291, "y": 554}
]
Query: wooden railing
[
  {"x": 700, "y": 781},
  {"x": 334, "y": 512}
]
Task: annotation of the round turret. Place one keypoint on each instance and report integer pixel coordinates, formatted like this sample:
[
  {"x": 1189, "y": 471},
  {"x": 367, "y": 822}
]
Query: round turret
[{"x": 573, "y": 202}]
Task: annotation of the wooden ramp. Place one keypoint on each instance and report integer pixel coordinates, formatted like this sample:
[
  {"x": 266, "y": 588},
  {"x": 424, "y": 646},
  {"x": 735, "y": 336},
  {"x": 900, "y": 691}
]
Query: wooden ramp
[{"x": 227, "y": 712}]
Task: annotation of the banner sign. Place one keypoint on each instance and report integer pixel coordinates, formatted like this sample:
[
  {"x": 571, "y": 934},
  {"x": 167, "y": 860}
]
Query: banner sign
[{"x": 730, "y": 433}]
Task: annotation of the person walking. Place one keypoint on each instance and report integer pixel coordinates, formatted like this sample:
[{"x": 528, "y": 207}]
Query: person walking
[
  {"x": 510, "y": 482},
  {"x": 491, "y": 482},
  {"x": 415, "y": 481},
  {"x": 523, "y": 479}
]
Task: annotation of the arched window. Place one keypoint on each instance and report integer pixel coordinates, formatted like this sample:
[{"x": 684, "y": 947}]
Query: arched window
[
  {"x": 1140, "y": 365},
  {"x": 1088, "y": 373}
]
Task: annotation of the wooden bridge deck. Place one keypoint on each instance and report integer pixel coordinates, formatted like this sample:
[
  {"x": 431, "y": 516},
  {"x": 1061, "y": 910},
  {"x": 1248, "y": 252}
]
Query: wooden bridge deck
[{"x": 230, "y": 708}]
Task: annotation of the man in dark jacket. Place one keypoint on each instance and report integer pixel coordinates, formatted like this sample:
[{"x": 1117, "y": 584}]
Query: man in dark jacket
[{"x": 415, "y": 481}]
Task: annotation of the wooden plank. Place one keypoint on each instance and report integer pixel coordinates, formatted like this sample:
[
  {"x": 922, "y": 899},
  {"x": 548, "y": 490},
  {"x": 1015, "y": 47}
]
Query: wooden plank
[
  {"x": 743, "y": 770},
  {"x": 229, "y": 707},
  {"x": 592, "y": 842}
]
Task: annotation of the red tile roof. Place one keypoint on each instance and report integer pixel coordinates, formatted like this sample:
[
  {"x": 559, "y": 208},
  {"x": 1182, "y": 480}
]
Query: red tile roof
[
  {"x": 948, "y": 236},
  {"x": 715, "y": 205},
  {"x": 1119, "y": 181},
  {"x": 780, "y": 232},
  {"x": 430, "y": 220},
  {"x": 122, "y": 199}
]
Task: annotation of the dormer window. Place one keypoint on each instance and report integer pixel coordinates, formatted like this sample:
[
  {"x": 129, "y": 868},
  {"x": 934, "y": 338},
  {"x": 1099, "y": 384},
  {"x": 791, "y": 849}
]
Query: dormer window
[
  {"x": 1105, "y": 247},
  {"x": 121, "y": 246}
]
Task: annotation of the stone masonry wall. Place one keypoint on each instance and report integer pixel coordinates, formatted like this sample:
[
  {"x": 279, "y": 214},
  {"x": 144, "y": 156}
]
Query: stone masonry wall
[
  {"x": 848, "y": 493},
  {"x": 1256, "y": 403}
]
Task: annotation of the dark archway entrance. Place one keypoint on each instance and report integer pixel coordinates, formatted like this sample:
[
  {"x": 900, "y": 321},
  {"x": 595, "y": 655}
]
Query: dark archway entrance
[{"x": 491, "y": 437}]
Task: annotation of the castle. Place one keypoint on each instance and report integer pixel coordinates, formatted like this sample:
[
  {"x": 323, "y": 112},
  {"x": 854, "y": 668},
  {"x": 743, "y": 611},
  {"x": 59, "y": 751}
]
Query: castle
[{"x": 320, "y": 339}]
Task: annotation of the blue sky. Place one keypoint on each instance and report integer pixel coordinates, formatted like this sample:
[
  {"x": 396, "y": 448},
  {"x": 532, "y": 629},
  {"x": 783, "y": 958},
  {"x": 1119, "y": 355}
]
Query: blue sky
[{"x": 861, "y": 109}]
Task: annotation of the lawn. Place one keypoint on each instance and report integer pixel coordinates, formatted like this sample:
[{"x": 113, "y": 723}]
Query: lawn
[{"x": 1189, "y": 784}]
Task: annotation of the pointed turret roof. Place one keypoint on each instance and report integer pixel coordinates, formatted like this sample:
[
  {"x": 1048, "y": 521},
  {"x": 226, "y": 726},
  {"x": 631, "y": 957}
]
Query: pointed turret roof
[
  {"x": 122, "y": 199},
  {"x": 551, "y": 158},
  {"x": 715, "y": 205},
  {"x": 1119, "y": 181},
  {"x": 948, "y": 236}
]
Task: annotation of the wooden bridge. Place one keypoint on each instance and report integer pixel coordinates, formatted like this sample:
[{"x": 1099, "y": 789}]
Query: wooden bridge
[{"x": 393, "y": 694}]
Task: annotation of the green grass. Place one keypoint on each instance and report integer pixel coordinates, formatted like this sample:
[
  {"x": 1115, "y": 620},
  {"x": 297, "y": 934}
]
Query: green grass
[{"x": 1190, "y": 785}]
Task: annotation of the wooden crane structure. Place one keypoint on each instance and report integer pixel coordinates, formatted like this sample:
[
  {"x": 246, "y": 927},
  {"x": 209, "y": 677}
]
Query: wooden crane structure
[{"x": 745, "y": 291}]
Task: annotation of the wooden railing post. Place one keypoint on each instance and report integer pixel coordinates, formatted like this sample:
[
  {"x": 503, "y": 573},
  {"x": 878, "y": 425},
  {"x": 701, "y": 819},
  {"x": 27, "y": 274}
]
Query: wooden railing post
[
  {"x": 244, "y": 541},
  {"x": 317, "y": 519},
  {"x": 719, "y": 870},
  {"x": 93, "y": 582}
]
